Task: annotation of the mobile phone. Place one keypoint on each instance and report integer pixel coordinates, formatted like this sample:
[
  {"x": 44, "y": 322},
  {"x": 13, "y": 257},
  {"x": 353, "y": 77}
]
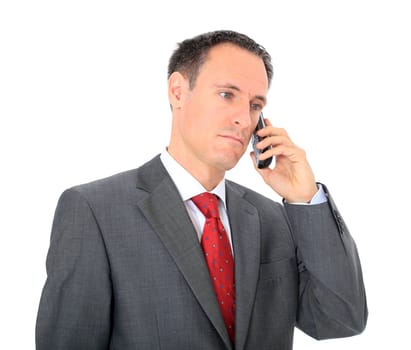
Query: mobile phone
[{"x": 261, "y": 164}]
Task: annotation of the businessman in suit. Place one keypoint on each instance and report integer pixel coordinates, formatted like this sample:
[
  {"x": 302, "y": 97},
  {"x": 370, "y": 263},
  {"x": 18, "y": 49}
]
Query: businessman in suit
[{"x": 126, "y": 265}]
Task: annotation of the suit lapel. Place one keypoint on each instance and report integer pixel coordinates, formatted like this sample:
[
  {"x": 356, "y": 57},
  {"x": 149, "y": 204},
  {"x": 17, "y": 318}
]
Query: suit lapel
[
  {"x": 167, "y": 214},
  {"x": 245, "y": 230}
]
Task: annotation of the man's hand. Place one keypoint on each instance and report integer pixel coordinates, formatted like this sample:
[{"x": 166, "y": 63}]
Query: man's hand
[{"x": 291, "y": 177}]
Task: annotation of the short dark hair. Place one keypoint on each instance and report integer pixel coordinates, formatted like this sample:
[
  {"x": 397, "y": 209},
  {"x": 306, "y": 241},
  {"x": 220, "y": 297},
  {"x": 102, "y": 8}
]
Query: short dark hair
[{"x": 191, "y": 54}]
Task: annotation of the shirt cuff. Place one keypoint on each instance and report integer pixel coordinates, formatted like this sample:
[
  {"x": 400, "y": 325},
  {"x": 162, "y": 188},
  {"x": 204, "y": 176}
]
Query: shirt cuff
[{"x": 318, "y": 198}]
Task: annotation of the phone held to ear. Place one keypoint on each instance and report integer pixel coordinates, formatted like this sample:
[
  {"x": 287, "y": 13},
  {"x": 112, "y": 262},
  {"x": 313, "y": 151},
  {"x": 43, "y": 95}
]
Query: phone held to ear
[{"x": 261, "y": 164}]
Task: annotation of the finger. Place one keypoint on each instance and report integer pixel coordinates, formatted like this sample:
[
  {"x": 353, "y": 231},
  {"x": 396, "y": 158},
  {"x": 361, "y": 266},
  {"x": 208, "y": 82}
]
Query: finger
[
  {"x": 293, "y": 153},
  {"x": 272, "y": 131},
  {"x": 262, "y": 171},
  {"x": 274, "y": 141},
  {"x": 267, "y": 122}
]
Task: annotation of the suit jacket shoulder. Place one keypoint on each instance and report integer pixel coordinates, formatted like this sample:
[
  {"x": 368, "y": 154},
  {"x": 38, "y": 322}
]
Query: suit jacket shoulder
[{"x": 118, "y": 186}]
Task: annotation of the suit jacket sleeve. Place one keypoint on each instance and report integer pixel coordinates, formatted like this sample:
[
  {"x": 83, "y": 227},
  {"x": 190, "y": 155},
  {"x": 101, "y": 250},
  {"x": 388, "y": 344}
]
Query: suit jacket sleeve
[
  {"x": 74, "y": 311},
  {"x": 332, "y": 295}
]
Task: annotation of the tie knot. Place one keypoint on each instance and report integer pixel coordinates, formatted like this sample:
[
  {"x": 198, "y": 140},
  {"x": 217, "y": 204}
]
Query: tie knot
[{"x": 207, "y": 203}]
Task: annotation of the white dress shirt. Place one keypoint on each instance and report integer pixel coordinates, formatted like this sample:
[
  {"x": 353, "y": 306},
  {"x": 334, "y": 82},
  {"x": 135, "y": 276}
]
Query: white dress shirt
[{"x": 188, "y": 187}]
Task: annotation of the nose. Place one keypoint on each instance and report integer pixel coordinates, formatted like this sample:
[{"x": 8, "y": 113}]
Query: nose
[{"x": 243, "y": 117}]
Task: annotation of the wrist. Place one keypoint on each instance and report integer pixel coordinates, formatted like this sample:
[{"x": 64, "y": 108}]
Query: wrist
[{"x": 303, "y": 198}]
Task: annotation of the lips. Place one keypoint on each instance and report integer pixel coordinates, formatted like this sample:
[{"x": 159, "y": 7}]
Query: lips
[{"x": 234, "y": 138}]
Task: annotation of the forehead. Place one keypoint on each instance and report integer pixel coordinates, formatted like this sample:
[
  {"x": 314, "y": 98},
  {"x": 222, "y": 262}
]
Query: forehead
[{"x": 232, "y": 64}]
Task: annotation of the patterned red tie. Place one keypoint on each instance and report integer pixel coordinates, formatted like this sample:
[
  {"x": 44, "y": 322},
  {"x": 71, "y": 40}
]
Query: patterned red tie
[{"x": 219, "y": 258}]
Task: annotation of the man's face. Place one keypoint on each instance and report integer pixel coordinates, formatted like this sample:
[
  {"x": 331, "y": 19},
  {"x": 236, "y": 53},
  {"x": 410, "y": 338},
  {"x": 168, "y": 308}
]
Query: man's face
[{"x": 215, "y": 119}]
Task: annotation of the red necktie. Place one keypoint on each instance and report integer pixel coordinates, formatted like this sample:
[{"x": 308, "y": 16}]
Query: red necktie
[{"x": 219, "y": 258}]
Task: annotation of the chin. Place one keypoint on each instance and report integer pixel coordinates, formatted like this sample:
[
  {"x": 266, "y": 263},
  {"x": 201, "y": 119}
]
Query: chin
[{"x": 228, "y": 162}]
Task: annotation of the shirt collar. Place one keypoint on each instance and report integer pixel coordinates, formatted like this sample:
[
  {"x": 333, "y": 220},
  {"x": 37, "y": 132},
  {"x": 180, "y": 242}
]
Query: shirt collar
[{"x": 187, "y": 185}]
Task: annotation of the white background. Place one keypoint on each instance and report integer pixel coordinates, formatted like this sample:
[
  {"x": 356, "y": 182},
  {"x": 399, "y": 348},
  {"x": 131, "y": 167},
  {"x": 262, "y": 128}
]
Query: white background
[{"x": 83, "y": 96}]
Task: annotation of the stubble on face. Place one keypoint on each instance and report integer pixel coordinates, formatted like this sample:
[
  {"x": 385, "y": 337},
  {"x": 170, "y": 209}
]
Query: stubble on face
[{"x": 212, "y": 127}]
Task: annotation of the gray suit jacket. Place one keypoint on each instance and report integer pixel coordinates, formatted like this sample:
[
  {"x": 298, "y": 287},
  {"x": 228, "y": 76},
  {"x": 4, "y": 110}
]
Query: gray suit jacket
[{"x": 126, "y": 271}]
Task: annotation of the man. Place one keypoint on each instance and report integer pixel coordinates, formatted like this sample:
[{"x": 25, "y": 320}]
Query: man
[{"x": 128, "y": 262}]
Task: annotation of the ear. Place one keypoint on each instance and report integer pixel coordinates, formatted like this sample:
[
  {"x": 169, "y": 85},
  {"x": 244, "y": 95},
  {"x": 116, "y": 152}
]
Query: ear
[{"x": 177, "y": 88}]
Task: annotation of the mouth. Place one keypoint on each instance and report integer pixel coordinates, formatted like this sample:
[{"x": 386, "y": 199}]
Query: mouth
[{"x": 234, "y": 138}]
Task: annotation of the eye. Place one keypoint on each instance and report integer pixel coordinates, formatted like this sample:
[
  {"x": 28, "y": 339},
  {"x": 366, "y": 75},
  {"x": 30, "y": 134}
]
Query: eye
[
  {"x": 256, "y": 107},
  {"x": 226, "y": 95}
]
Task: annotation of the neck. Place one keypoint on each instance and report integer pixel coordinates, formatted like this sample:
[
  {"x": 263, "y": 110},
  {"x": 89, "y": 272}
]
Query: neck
[{"x": 207, "y": 176}]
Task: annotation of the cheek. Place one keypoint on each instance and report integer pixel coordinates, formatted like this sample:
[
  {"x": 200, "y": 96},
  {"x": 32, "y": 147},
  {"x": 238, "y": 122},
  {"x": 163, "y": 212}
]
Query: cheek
[
  {"x": 249, "y": 132},
  {"x": 195, "y": 131}
]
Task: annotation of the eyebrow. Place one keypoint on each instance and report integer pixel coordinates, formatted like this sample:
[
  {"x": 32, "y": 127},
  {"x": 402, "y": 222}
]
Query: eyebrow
[{"x": 263, "y": 99}]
